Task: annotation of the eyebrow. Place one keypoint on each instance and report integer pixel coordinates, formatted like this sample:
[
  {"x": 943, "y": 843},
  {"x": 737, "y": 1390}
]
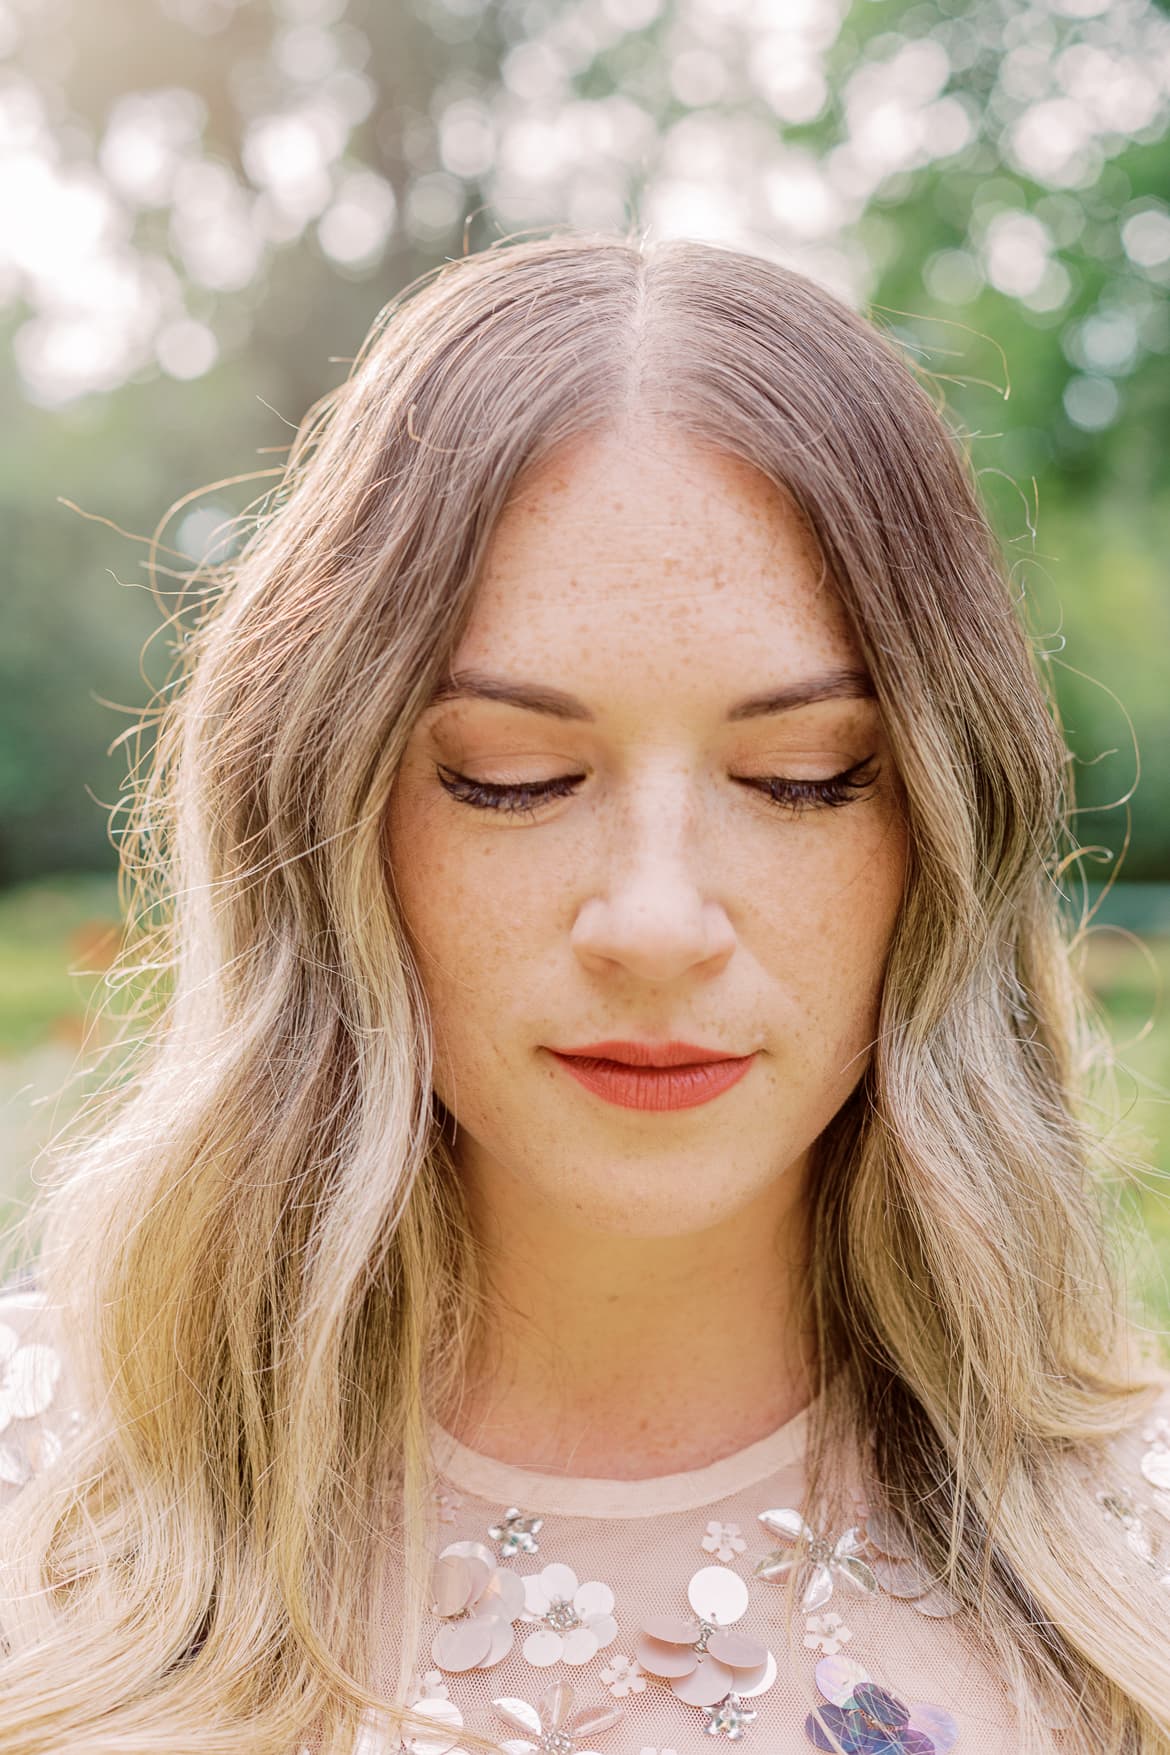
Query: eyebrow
[{"x": 829, "y": 685}]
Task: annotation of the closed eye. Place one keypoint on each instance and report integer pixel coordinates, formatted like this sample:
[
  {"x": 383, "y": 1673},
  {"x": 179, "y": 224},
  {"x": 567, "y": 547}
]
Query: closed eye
[{"x": 791, "y": 796}]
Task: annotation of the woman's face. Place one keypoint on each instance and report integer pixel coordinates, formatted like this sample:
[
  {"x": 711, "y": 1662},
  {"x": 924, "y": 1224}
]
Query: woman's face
[{"x": 689, "y": 879}]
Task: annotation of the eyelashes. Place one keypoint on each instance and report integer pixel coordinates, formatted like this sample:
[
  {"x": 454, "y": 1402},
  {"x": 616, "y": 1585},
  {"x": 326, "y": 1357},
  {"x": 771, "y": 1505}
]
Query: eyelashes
[{"x": 789, "y": 796}]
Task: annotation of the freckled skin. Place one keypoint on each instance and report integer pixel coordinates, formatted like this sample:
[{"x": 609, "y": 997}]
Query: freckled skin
[{"x": 660, "y": 582}]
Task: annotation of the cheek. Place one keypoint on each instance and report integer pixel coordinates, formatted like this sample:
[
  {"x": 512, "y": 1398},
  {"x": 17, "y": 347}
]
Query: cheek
[
  {"x": 468, "y": 914},
  {"x": 830, "y": 933}
]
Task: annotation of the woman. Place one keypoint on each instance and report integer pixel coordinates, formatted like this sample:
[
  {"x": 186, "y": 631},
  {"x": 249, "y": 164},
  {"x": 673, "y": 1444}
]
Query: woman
[{"x": 602, "y": 1248}]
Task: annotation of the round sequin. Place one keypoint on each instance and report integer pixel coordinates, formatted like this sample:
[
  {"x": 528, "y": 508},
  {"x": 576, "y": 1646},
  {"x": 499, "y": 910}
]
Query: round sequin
[
  {"x": 737, "y": 1650},
  {"x": 594, "y": 1599},
  {"x": 502, "y": 1641},
  {"x": 543, "y": 1647},
  {"x": 837, "y": 1677},
  {"x": 479, "y": 1550},
  {"x": 452, "y": 1585},
  {"x": 663, "y": 1659},
  {"x": 707, "y": 1683},
  {"x": 579, "y": 1644},
  {"x": 754, "y": 1683},
  {"x": 899, "y": 1578},
  {"x": 558, "y": 1580},
  {"x": 718, "y": 1594},
  {"x": 462, "y": 1645},
  {"x": 937, "y": 1724},
  {"x": 671, "y": 1628}
]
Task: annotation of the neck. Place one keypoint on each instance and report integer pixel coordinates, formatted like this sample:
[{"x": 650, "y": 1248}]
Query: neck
[{"x": 629, "y": 1356}]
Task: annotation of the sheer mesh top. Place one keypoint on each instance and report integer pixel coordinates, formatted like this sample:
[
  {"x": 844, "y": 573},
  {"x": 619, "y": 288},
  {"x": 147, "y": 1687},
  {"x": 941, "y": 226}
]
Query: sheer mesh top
[{"x": 646, "y": 1617}]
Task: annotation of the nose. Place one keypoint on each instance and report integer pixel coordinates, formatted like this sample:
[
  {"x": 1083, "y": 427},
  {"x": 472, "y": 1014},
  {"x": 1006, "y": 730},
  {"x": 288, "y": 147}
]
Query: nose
[{"x": 651, "y": 910}]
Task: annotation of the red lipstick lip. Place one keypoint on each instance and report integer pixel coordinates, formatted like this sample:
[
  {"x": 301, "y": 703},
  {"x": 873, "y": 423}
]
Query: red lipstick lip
[
  {"x": 651, "y": 1054},
  {"x": 656, "y": 1088}
]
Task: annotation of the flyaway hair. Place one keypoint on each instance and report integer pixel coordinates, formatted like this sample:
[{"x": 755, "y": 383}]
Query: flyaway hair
[{"x": 256, "y": 1238}]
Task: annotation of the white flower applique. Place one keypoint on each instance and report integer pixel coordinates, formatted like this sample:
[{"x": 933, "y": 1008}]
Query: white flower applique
[
  {"x": 724, "y": 1540},
  {"x": 623, "y": 1675},
  {"x": 826, "y": 1633}
]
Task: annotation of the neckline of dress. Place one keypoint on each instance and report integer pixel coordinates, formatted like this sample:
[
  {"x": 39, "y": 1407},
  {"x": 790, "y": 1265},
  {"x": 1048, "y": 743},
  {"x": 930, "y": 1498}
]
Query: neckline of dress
[{"x": 510, "y": 1484}]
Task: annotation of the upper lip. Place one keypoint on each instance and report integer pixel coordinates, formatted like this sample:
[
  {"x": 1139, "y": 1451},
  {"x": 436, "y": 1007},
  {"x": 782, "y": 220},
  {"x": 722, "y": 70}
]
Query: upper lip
[{"x": 651, "y": 1053}]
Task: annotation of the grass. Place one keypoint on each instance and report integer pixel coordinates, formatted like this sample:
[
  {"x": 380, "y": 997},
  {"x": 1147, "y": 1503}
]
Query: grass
[{"x": 58, "y": 937}]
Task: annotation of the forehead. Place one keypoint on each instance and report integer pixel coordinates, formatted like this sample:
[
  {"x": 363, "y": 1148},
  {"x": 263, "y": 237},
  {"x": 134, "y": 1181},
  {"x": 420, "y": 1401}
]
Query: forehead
[{"x": 653, "y": 547}]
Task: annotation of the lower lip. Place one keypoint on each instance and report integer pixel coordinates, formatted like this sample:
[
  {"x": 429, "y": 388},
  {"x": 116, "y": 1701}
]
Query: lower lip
[{"x": 648, "y": 1087}]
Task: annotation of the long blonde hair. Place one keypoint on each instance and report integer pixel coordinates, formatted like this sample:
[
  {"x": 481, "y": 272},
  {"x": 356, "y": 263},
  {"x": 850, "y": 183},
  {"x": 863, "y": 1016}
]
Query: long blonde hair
[{"x": 257, "y": 1240}]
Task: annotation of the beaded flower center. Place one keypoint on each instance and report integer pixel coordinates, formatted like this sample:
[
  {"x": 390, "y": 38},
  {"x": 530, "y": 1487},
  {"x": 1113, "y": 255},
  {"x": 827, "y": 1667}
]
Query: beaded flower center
[
  {"x": 562, "y": 1615},
  {"x": 556, "y": 1743}
]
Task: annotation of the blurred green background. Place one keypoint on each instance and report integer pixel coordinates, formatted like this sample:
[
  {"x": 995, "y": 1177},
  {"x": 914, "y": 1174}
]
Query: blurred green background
[{"x": 206, "y": 202}]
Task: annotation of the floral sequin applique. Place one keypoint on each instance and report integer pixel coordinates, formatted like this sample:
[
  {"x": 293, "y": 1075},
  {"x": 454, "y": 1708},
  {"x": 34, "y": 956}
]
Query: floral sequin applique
[
  {"x": 826, "y": 1634},
  {"x": 516, "y": 1533},
  {"x": 821, "y": 1562},
  {"x": 577, "y": 1618},
  {"x": 862, "y": 1718},
  {"x": 477, "y": 1599},
  {"x": 724, "y": 1540},
  {"x": 431, "y": 1687},
  {"x": 703, "y": 1660},
  {"x": 556, "y": 1724},
  {"x": 623, "y": 1675},
  {"x": 447, "y": 1504}
]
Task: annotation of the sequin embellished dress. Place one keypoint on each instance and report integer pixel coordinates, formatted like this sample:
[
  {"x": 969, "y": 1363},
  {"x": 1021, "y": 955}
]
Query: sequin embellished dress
[{"x": 575, "y": 1615}]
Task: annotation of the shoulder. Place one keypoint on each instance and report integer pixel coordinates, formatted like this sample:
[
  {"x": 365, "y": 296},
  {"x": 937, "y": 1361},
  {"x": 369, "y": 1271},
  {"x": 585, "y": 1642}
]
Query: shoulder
[{"x": 39, "y": 1407}]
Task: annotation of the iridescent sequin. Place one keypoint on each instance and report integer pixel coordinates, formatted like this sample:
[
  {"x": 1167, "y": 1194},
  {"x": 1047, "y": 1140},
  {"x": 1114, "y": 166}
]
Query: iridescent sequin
[{"x": 862, "y": 1718}]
